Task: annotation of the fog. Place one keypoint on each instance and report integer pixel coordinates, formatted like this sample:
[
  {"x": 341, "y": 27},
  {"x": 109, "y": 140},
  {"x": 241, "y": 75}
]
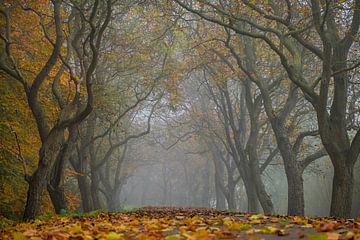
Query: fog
[{"x": 174, "y": 165}]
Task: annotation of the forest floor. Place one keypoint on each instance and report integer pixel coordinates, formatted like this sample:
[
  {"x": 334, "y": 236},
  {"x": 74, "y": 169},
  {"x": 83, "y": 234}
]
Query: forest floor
[{"x": 183, "y": 223}]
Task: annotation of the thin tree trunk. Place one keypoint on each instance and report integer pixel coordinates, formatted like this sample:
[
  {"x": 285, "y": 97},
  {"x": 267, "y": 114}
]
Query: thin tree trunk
[
  {"x": 85, "y": 193},
  {"x": 262, "y": 195},
  {"x": 219, "y": 179},
  {"x": 205, "y": 196},
  {"x": 231, "y": 196},
  {"x": 95, "y": 180}
]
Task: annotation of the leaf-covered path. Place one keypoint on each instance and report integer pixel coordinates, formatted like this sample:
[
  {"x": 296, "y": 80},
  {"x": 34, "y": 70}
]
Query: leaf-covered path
[{"x": 183, "y": 223}]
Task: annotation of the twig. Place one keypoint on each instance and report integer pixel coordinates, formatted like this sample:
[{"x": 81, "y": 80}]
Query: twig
[{"x": 20, "y": 156}]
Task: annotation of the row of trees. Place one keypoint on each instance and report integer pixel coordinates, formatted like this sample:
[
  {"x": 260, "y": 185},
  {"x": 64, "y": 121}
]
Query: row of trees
[
  {"x": 305, "y": 56},
  {"x": 91, "y": 77},
  {"x": 267, "y": 78}
]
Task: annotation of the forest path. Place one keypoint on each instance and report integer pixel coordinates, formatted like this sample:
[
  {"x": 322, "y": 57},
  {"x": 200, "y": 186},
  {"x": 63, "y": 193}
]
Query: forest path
[{"x": 183, "y": 223}]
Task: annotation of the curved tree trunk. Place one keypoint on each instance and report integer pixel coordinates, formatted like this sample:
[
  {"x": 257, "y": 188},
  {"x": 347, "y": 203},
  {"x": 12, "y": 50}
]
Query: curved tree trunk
[
  {"x": 262, "y": 195},
  {"x": 39, "y": 180},
  {"x": 37, "y": 186},
  {"x": 58, "y": 198},
  {"x": 55, "y": 187}
]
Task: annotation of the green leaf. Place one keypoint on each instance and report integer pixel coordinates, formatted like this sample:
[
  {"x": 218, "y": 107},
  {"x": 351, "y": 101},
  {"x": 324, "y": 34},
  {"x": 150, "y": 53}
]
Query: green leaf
[{"x": 317, "y": 237}]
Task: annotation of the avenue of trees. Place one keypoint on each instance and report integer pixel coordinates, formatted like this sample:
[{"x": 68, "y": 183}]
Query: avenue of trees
[{"x": 241, "y": 105}]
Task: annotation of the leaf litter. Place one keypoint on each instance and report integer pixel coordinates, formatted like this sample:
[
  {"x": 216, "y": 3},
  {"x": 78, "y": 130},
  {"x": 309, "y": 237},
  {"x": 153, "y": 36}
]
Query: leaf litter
[{"x": 184, "y": 223}]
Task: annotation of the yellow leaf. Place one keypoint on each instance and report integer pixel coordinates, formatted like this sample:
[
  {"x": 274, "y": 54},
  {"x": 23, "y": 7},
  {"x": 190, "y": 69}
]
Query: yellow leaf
[
  {"x": 349, "y": 235},
  {"x": 114, "y": 236},
  {"x": 19, "y": 236},
  {"x": 269, "y": 230},
  {"x": 238, "y": 226},
  {"x": 173, "y": 237},
  {"x": 257, "y": 216}
]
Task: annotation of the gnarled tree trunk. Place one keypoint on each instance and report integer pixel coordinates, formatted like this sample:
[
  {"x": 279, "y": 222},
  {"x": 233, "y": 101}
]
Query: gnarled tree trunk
[{"x": 39, "y": 180}]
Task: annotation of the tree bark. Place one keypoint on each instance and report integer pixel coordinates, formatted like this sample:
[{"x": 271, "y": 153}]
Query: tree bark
[
  {"x": 296, "y": 202},
  {"x": 39, "y": 180},
  {"x": 334, "y": 135},
  {"x": 58, "y": 198},
  {"x": 342, "y": 192},
  {"x": 252, "y": 199},
  {"x": 205, "y": 196},
  {"x": 255, "y": 173},
  {"x": 263, "y": 196},
  {"x": 37, "y": 186},
  {"x": 113, "y": 201},
  {"x": 94, "y": 186},
  {"x": 231, "y": 196},
  {"x": 219, "y": 179},
  {"x": 85, "y": 193},
  {"x": 55, "y": 186}
]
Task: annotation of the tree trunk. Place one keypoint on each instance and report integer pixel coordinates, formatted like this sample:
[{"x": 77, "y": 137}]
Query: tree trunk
[
  {"x": 37, "y": 186},
  {"x": 262, "y": 195},
  {"x": 95, "y": 180},
  {"x": 85, "y": 193},
  {"x": 40, "y": 178},
  {"x": 296, "y": 202},
  {"x": 55, "y": 187},
  {"x": 113, "y": 203},
  {"x": 144, "y": 194},
  {"x": 205, "y": 199},
  {"x": 219, "y": 178},
  {"x": 58, "y": 198},
  {"x": 218, "y": 175},
  {"x": 231, "y": 196},
  {"x": 253, "y": 206},
  {"x": 342, "y": 192},
  {"x": 255, "y": 174}
]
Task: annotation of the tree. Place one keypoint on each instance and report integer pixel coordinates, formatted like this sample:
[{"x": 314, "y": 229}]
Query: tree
[
  {"x": 52, "y": 133},
  {"x": 278, "y": 119},
  {"x": 283, "y": 36}
]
